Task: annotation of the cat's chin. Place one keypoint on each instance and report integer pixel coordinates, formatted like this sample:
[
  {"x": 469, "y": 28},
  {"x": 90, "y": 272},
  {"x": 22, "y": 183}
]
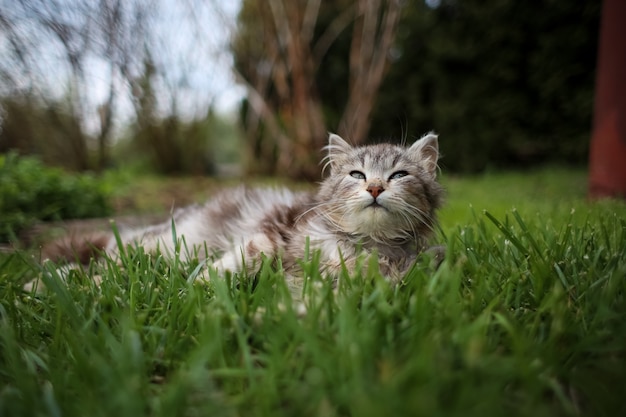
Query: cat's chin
[
  {"x": 372, "y": 218},
  {"x": 376, "y": 206}
]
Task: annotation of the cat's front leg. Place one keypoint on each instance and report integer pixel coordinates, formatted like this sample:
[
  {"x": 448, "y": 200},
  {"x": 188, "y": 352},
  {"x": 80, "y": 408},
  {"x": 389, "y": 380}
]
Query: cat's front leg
[
  {"x": 396, "y": 271},
  {"x": 37, "y": 285},
  {"x": 232, "y": 261},
  {"x": 437, "y": 254},
  {"x": 246, "y": 257}
]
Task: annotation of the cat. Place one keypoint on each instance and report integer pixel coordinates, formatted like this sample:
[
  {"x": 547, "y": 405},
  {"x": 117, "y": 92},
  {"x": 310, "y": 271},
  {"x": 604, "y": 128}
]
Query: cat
[{"x": 377, "y": 199}]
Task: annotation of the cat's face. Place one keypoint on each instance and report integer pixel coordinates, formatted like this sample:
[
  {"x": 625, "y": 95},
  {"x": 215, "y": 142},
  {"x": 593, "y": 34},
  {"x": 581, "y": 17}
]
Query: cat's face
[{"x": 385, "y": 192}]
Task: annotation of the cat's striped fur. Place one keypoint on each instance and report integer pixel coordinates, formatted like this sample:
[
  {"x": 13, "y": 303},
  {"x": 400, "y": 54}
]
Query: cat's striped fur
[{"x": 376, "y": 199}]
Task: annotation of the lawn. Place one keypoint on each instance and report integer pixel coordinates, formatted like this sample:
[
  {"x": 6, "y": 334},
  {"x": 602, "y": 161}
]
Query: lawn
[{"x": 526, "y": 316}]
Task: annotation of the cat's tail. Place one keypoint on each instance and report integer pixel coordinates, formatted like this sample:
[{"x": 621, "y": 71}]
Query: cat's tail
[
  {"x": 77, "y": 248},
  {"x": 69, "y": 253}
]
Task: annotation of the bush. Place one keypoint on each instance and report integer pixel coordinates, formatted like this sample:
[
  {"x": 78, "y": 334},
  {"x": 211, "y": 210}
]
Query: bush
[{"x": 30, "y": 192}]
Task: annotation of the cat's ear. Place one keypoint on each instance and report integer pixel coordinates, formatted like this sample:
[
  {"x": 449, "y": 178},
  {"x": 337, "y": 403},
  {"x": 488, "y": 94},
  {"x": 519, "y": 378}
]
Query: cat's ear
[
  {"x": 426, "y": 152},
  {"x": 337, "y": 145},
  {"x": 336, "y": 148}
]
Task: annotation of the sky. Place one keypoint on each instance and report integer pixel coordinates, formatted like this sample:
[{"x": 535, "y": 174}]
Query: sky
[
  {"x": 189, "y": 41},
  {"x": 200, "y": 49}
]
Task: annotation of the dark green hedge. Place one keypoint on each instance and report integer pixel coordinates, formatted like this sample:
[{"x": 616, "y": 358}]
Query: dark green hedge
[
  {"x": 505, "y": 83},
  {"x": 31, "y": 191}
]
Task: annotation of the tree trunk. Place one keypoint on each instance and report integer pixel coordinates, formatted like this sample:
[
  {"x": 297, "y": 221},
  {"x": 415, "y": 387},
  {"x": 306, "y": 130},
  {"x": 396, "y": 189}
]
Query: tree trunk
[
  {"x": 607, "y": 159},
  {"x": 371, "y": 41},
  {"x": 294, "y": 120},
  {"x": 285, "y": 99}
]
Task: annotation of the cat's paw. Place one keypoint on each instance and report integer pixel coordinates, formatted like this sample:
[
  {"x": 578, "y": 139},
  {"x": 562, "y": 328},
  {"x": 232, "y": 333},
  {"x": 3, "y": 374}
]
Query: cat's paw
[
  {"x": 34, "y": 286},
  {"x": 218, "y": 268},
  {"x": 37, "y": 286},
  {"x": 437, "y": 255},
  {"x": 224, "y": 265}
]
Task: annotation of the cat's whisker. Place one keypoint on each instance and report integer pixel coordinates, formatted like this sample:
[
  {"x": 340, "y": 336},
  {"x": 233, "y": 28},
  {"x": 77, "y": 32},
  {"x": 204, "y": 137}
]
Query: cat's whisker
[
  {"x": 313, "y": 208},
  {"x": 327, "y": 162},
  {"x": 409, "y": 223},
  {"x": 414, "y": 211},
  {"x": 413, "y": 215}
]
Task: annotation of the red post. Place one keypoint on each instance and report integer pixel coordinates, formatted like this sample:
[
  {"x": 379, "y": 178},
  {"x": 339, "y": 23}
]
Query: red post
[{"x": 607, "y": 158}]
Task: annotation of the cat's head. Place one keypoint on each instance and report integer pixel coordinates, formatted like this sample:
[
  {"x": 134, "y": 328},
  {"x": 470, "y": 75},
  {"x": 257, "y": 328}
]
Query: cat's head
[{"x": 385, "y": 192}]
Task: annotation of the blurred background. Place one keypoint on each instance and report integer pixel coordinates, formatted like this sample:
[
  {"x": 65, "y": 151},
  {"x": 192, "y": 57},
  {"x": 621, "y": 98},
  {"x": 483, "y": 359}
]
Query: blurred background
[{"x": 250, "y": 88}]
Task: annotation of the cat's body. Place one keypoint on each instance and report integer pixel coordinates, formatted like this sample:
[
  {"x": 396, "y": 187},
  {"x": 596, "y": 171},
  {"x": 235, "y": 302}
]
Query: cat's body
[{"x": 377, "y": 199}]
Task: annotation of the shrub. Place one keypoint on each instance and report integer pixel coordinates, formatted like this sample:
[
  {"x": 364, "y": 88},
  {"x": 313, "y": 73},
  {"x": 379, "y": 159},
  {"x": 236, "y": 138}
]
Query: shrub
[{"x": 31, "y": 191}]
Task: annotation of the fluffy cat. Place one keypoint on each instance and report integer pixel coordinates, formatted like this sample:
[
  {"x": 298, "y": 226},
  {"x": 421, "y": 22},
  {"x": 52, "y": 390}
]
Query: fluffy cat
[{"x": 378, "y": 199}]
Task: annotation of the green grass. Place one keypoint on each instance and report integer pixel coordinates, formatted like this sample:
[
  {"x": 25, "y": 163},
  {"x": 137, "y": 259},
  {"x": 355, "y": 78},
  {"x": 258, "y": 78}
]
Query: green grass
[{"x": 526, "y": 316}]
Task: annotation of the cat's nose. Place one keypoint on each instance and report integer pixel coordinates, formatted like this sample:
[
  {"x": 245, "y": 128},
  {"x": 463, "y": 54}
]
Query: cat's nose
[{"x": 375, "y": 190}]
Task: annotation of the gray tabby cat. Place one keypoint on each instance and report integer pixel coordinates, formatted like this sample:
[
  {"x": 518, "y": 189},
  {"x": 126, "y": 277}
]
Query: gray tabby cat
[{"x": 377, "y": 199}]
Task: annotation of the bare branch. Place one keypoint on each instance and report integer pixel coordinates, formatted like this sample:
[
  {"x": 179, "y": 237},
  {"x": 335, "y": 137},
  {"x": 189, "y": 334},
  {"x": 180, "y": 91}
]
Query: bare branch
[
  {"x": 309, "y": 21},
  {"x": 281, "y": 22},
  {"x": 338, "y": 25},
  {"x": 368, "y": 62}
]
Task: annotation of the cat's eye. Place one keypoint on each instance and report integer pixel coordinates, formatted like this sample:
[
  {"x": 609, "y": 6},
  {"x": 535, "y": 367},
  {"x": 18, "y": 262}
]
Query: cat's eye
[
  {"x": 357, "y": 174},
  {"x": 398, "y": 174}
]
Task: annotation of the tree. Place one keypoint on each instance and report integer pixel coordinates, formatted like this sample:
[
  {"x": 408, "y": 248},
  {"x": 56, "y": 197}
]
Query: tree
[
  {"x": 107, "y": 62},
  {"x": 278, "y": 50},
  {"x": 70, "y": 36},
  {"x": 46, "y": 128}
]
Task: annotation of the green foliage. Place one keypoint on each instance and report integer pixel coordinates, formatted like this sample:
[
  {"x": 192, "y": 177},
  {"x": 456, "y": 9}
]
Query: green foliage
[
  {"x": 526, "y": 317},
  {"x": 503, "y": 82},
  {"x": 30, "y": 191}
]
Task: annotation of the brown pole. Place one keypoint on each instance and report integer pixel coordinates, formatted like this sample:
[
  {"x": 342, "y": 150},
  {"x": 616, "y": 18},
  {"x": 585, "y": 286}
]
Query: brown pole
[{"x": 607, "y": 158}]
